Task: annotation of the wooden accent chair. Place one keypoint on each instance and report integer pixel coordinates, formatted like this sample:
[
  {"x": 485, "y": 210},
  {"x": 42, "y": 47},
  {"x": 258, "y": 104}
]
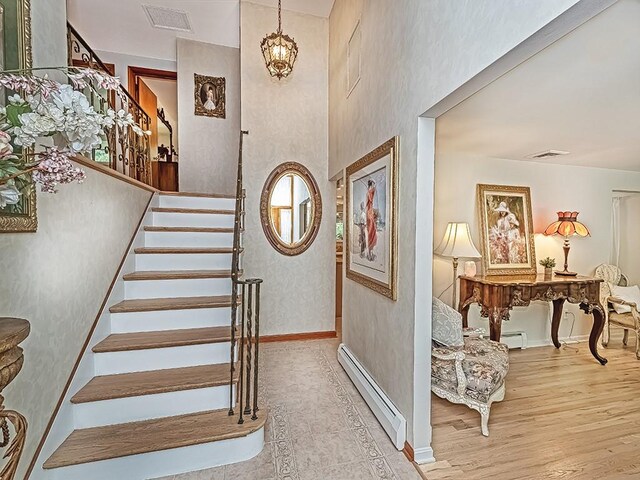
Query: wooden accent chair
[
  {"x": 612, "y": 275},
  {"x": 466, "y": 370}
]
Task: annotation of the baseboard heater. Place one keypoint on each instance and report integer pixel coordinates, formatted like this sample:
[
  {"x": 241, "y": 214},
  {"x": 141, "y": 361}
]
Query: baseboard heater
[{"x": 385, "y": 411}]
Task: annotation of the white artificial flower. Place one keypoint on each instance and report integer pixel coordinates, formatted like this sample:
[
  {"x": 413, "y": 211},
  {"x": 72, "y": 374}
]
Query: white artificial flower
[
  {"x": 16, "y": 99},
  {"x": 9, "y": 195}
]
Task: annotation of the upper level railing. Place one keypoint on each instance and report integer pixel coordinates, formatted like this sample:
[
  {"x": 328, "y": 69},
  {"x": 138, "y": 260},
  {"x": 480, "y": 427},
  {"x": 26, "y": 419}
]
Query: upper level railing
[
  {"x": 245, "y": 292},
  {"x": 123, "y": 150}
]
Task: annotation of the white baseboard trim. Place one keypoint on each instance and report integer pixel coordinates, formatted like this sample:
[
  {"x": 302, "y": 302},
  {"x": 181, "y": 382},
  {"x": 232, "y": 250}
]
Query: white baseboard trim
[
  {"x": 385, "y": 411},
  {"x": 423, "y": 455},
  {"x": 548, "y": 342}
]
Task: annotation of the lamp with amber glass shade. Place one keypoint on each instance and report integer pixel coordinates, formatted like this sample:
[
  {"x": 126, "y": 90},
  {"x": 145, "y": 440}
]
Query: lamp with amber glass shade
[{"x": 567, "y": 225}]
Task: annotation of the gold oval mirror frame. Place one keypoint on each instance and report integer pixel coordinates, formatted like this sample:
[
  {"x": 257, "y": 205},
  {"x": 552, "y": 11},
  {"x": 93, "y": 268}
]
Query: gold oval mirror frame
[{"x": 290, "y": 208}]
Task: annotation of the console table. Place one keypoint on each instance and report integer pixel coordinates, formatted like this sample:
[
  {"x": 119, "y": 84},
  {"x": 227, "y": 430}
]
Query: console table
[{"x": 497, "y": 295}]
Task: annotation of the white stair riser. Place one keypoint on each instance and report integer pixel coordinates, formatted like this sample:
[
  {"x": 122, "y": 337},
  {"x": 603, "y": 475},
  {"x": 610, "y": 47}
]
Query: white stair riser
[
  {"x": 146, "y": 407},
  {"x": 193, "y": 287},
  {"x": 188, "y": 239},
  {"x": 165, "y": 462},
  {"x": 180, "y": 201},
  {"x": 171, "y": 219},
  {"x": 109, "y": 363},
  {"x": 170, "y": 319},
  {"x": 183, "y": 261}
]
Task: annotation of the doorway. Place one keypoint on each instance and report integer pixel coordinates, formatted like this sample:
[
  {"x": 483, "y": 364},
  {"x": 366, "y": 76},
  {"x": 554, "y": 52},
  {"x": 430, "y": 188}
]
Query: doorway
[
  {"x": 157, "y": 93},
  {"x": 339, "y": 249},
  {"x": 626, "y": 231}
]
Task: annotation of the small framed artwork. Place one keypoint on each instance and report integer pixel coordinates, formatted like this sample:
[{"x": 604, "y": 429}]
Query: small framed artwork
[
  {"x": 209, "y": 96},
  {"x": 371, "y": 224},
  {"x": 15, "y": 53},
  {"x": 506, "y": 230}
]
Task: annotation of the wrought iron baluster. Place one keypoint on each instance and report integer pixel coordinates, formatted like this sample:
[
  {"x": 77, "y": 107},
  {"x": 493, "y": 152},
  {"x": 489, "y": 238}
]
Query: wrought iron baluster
[
  {"x": 129, "y": 153},
  {"x": 257, "y": 359},
  {"x": 247, "y": 407},
  {"x": 242, "y": 341}
]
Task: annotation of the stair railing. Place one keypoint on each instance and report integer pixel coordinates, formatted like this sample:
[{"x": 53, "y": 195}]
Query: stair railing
[
  {"x": 124, "y": 151},
  {"x": 245, "y": 300}
]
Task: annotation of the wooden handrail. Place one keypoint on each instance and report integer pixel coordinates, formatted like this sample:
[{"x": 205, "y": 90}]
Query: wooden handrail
[{"x": 101, "y": 64}]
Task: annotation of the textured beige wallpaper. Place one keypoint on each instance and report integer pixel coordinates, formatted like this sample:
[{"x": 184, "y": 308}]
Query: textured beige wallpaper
[
  {"x": 287, "y": 121},
  {"x": 58, "y": 277},
  {"x": 414, "y": 53},
  {"x": 208, "y": 145}
]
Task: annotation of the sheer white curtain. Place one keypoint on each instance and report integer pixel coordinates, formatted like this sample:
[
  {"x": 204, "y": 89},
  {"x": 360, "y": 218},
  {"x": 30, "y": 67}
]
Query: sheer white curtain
[{"x": 615, "y": 230}]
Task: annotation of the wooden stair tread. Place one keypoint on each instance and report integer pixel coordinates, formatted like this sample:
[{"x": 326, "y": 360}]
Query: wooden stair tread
[
  {"x": 195, "y": 194},
  {"x": 176, "y": 274},
  {"x": 209, "y": 211},
  {"x": 135, "y": 384},
  {"x": 113, "y": 441},
  {"x": 172, "y": 303},
  {"x": 183, "y": 250},
  {"x": 150, "y": 228},
  {"x": 122, "y": 342}
]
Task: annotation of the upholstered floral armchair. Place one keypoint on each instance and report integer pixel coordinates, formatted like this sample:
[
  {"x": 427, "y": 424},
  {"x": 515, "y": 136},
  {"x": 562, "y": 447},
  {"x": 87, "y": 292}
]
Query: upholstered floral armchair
[
  {"x": 619, "y": 312},
  {"x": 469, "y": 371}
]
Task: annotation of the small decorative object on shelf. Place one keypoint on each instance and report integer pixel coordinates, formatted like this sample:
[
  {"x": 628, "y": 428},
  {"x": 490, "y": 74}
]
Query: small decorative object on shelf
[
  {"x": 548, "y": 264},
  {"x": 567, "y": 225},
  {"x": 12, "y": 332},
  {"x": 470, "y": 268}
]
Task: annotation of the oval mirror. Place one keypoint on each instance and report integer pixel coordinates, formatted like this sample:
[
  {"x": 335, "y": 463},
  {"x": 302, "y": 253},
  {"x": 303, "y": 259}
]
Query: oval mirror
[{"x": 290, "y": 208}]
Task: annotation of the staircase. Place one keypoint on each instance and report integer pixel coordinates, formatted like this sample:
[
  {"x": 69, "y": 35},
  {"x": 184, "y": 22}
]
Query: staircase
[{"x": 163, "y": 386}]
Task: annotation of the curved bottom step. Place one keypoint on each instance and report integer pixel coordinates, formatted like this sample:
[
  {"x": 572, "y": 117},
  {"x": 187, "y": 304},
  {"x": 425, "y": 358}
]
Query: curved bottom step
[{"x": 156, "y": 448}]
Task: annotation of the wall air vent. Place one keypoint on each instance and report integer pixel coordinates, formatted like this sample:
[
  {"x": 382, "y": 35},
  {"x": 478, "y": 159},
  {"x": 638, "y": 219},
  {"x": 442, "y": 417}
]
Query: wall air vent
[
  {"x": 168, "y": 18},
  {"x": 548, "y": 154}
]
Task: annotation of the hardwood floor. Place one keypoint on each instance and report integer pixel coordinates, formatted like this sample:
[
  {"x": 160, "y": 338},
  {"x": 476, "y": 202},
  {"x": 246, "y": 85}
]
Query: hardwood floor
[{"x": 563, "y": 416}]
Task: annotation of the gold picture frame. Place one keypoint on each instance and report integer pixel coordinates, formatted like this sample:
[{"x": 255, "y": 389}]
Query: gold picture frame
[
  {"x": 314, "y": 219},
  {"x": 16, "y": 43},
  {"x": 371, "y": 233},
  {"x": 506, "y": 230},
  {"x": 210, "y": 96}
]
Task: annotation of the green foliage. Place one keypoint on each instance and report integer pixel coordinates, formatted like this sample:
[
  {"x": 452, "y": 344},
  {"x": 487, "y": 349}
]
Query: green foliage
[
  {"x": 14, "y": 111},
  {"x": 548, "y": 262}
]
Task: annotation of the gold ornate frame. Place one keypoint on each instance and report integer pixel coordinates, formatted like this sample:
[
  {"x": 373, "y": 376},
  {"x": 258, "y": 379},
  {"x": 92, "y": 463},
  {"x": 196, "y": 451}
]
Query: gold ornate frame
[
  {"x": 525, "y": 192},
  {"x": 390, "y": 289},
  {"x": 316, "y": 204},
  {"x": 28, "y": 221},
  {"x": 218, "y": 82}
]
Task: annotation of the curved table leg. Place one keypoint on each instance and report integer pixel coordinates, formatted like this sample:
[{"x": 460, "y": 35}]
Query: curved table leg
[
  {"x": 596, "y": 331},
  {"x": 496, "y": 315},
  {"x": 555, "y": 321}
]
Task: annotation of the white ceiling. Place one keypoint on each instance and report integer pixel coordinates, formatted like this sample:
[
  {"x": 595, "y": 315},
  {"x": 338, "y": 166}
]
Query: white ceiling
[
  {"x": 319, "y": 8},
  {"x": 581, "y": 94},
  {"x": 122, "y": 26}
]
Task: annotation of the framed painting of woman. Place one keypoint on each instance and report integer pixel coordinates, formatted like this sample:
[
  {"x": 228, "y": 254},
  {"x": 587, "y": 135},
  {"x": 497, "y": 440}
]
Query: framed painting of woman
[
  {"x": 209, "y": 96},
  {"x": 506, "y": 230},
  {"x": 371, "y": 224},
  {"x": 15, "y": 53}
]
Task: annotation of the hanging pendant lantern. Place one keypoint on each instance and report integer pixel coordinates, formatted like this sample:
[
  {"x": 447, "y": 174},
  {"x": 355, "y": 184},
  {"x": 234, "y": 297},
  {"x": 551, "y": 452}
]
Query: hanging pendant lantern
[{"x": 279, "y": 50}]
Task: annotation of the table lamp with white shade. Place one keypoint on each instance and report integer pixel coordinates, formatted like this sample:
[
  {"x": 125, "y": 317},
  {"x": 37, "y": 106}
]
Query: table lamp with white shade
[{"x": 456, "y": 244}]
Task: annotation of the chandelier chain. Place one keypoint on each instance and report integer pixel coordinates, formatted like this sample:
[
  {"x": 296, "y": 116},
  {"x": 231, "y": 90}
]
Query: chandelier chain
[{"x": 279, "y": 16}]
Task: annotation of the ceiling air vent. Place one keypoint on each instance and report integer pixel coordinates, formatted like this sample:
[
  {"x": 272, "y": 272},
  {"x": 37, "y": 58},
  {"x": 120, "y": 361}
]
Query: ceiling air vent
[
  {"x": 168, "y": 18},
  {"x": 548, "y": 154}
]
